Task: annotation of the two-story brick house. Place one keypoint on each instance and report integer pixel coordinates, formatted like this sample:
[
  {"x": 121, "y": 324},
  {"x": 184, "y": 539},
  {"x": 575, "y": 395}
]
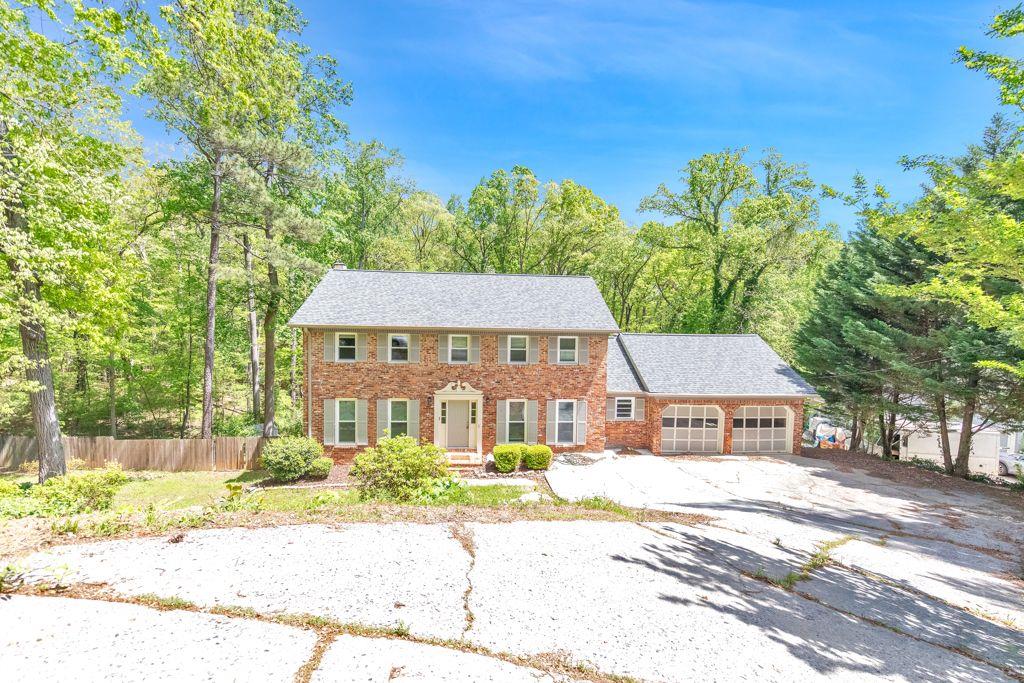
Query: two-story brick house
[{"x": 469, "y": 360}]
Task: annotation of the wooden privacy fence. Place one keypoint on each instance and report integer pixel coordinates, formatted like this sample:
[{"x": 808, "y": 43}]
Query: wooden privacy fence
[{"x": 171, "y": 455}]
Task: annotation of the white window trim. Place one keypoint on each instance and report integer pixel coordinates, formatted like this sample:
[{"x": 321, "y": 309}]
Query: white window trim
[
  {"x": 525, "y": 349},
  {"x": 574, "y": 407},
  {"x": 575, "y": 354},
  {"x": 451, "y": 348},
  {"x": 526, "y": 418},
  {"x": 337, "y": 421},
  {"x": 408, "y": 348},
  {"x": 406, "y": 401},
  {"x": 337, "y": 347},
  {"x": 632, "y": 407}
]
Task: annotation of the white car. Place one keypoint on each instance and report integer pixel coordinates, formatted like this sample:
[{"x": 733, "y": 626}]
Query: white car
[{"x": 1009, "y": 462}]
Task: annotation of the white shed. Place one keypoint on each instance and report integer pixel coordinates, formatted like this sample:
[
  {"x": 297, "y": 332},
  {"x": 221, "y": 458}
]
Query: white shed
[{"x": 923, "y": 443}]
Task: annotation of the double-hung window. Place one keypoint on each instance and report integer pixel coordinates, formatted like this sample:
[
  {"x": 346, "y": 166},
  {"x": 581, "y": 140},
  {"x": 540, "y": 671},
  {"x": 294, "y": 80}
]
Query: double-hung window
[
  {"x": 517, "y": 348},
  {"x": 398, "y": 416},
  {"x": 346, "y": 421},
  {"x": 565, "y": 422},
  {"x": 624, "y": 408},
  {"x": 567, "y": 351},
  {"x": 398, "y": 348},
  {"x": 516, "y": 416},
  {"x": 346, "y": 347},
  {"x": 458, "y": 348}
]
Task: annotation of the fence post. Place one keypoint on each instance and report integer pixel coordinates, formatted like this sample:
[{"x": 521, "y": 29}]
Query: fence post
[{"x": 213, "y": 454}]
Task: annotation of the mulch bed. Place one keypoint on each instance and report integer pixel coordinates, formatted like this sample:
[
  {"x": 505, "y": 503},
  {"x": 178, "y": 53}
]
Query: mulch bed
[
  {"x": 338, "y": 478},
  {"x": 907, "y": 474}
]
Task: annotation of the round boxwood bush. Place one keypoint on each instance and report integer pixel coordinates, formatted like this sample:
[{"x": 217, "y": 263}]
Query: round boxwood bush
[
  {"x": 537, "y": 457},
  {"x": 398, "y": 468},
  {"x": 289, "y": 457},
  {"x": 508, "y": 457},
  {"x": 320, "y": 468}
]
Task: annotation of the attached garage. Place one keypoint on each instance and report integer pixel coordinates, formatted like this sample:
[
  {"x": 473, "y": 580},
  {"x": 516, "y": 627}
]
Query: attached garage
[
  {"x": 691, "y": 429},
  {"x": 762, "y": 429}
]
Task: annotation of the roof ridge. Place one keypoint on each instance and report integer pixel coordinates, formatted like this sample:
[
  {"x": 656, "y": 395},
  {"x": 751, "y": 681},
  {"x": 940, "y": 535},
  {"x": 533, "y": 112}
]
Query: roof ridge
[
  {"x": 453, "y": 272},
  {"x": 690, "y": 334}
]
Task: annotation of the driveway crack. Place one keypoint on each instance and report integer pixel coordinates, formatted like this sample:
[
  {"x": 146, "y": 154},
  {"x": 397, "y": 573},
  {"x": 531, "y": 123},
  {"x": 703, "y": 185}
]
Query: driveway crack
[{"x": 464, "y": 535}]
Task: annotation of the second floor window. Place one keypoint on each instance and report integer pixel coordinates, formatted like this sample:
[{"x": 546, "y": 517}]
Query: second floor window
[
  {"x": 346, "y": 347},
  {"x": 567, "y": 349},
  {"x": 346, "y": 421},
  {"x": 398, "y": 348},
  {"x": 398, "y": 420},
  {"x": 458, "y": 348},
  {"x": 517, "y": 346}
]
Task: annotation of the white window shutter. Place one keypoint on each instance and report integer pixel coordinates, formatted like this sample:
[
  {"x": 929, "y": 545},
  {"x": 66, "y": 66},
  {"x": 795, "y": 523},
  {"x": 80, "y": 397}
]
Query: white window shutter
[
  {"x": 638, "y": 409},
  {"x": 531, "y": 422},
  {"x": 361, "y": 439},
  {"x": 414, "y": 348},
  {"x": 414, "y": 419},
  {"x": 330, "y": 346},
  {"x": 502, "y": 432},
  {"x": 552, "y": 350},
  {"x": 474, "y": 348},
  {"x": 502, "y": 349},
  {"x": 550, "y": 435},
  {"x": 583, "y": 352},
  {"x": 534, "y": 353},
  {"x": 442, "y": 348},
  {"x": 382, "y": 418},
  {"x": 610, "y": 410},
  {"x": 361, "y": 346},
  {"x": 382, "y": 348},
  {"x": 330, "y": 421},
  {"x": 581, "y": 423}
]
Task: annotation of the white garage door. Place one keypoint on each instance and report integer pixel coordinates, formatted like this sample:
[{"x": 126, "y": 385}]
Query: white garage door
[
  {"x": 691, "y": 429},
  {"x": 761, "y": 429}
]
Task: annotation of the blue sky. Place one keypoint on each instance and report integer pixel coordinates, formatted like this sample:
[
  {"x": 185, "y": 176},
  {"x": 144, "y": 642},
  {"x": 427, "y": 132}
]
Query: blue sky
[{"x": 619, "y": 95}]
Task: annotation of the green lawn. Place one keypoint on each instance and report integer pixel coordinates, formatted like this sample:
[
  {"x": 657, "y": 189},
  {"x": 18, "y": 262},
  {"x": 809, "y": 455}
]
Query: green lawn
[{"x": 172, "y": 490}]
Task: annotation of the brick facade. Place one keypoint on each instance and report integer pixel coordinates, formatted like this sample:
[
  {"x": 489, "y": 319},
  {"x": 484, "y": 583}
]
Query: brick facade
[
  {"x": 647, "y": 433},
  {"x": 373, "y": 380}
]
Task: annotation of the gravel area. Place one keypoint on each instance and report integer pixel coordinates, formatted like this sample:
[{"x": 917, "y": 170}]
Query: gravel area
[
  {"x": 352, "y": 659},
  {"x": 54, "y": 639},
  {"x": 380, "y": 575}
]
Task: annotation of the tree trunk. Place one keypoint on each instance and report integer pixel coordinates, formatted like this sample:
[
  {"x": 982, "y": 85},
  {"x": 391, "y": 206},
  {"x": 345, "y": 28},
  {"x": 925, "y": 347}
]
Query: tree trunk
[
  {"x": 206, "y": 430},
  {"x": 270, "y": 321},
  {"x": 112, "y": 395},
  {"x": 961, "y": 467},
  {"x": 947, "y": 456},
  {"x": 856, "y": 434},
  {"x": 883, "y": 433},
  {"x": 254, "y": 342}
]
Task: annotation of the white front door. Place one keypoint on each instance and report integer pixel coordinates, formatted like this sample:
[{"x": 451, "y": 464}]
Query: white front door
[{"x": 458, "y": 425}]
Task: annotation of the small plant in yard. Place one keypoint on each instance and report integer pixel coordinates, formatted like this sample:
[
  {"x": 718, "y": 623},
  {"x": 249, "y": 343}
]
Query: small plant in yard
[
  {"x": 445, "y": 491},
  {"x": 398, "y": 468},
  {"x": 289, "y": 457},
  {"x": 320, "y": 468},
  {"x": 75, "y": 493},
  {"x": 8, "y": 488},
  {"x": 508, "y": 457},
  {"x": 67, "y": 525},
  {"x": 537, "y": 457},
  {"x": 1019, "y": 474},
  {"x": 12, "y": 577},
  {"x": 110, "y": 525},
  {"x": 237, "y": 500}
]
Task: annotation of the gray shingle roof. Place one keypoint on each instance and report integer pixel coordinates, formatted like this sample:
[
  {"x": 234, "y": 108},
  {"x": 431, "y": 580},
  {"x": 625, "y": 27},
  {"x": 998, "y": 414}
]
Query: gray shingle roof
[
  {"x": 621, "y": 377},
  {"x": 709, "y": 365},
  {"x": 396, "y": 299}
]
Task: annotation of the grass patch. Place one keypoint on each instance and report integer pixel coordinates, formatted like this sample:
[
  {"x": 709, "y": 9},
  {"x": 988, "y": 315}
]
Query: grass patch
[
  {"x": 175, "y": 490},
  {"x": 168, "y": 603}
]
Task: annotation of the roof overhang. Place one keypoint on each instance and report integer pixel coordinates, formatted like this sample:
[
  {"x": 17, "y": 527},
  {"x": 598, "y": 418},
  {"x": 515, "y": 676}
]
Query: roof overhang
[
  {"x": 814, "y": 398},
  {"x": 414, "y": 328}
]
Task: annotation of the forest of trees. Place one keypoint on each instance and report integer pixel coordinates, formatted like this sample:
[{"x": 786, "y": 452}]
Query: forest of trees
[{"x": 145, "y": 299}]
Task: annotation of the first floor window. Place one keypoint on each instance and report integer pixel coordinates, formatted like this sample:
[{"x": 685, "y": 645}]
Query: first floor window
[
  {"x": 399, "y": 348},
  {"x": 624, "y": 408},
  {"x": 567, "y": 349},
  {"x": 517, "y": 349},
  {"x": 458, "y": 348},
  {"x": 516, "y": 422},
  {"x": 346, "y": 421},
  {"x": 565, "y": 422},
  {"x": 398, "y": 420},
  {"x": 346, "y": 347}
]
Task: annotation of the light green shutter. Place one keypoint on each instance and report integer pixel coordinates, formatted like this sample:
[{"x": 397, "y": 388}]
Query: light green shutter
[
  {"x": 550, "y": 436},
  {"x": 639, "y": 409},
  {"x": 330, "y": 421},
  {"x": 610, "y": 410},
  {"x": 553, "y": 350},
  {"x": 361, "y": 346},
  {"x": 414, "y": 419},
  {"x": 361, "y": 422},
  {"x": 382, "y": 418},
  {"x": 533, "y": 356},
  {"x": 531, "y": 422},
  {"x": 414, "y": 348},
  {"x": 502, "y": 431},
  {"x": 382, "y": 348},
  {"x": 330, "y": 346},
  {"x": 474, "y": 348},
  {"x": 502, "y": 349},
  {"x": 581, "y": 422},
  {"x": 583, "y": 352}
]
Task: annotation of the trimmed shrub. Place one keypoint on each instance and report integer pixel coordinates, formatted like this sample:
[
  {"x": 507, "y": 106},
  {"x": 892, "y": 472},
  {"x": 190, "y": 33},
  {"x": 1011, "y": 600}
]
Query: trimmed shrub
[
  {"x": 75, "y": 493},
  {"x": 320, "y": 468},
  {"x": 398, "y": 468},
  {"x": 538, "y": 457},
  {"x": 289, "y": 457},
  {"x": 508, "y": 457}
]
